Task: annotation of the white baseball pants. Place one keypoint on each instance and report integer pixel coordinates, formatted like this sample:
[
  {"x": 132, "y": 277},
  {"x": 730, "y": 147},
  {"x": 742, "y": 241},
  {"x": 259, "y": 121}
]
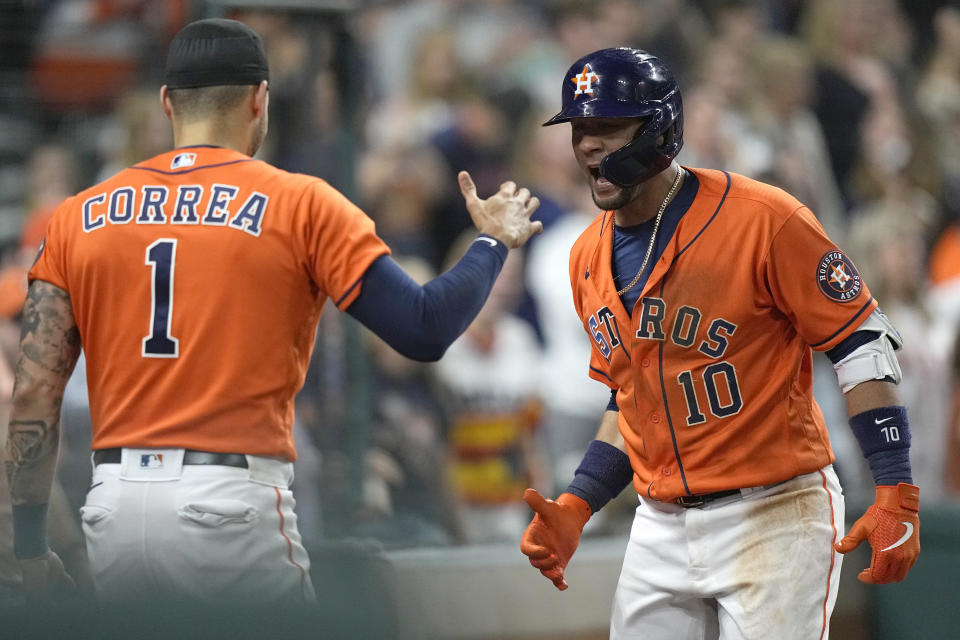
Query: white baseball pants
[
  {"x": 756, "y": 566},
  {"x": 202, "y": 533}
]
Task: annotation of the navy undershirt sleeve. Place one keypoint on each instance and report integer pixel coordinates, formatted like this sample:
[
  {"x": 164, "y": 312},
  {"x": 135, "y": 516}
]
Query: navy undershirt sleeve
[
  {"x": 421, "y": 322},
  {"x": 612, "y": 405},
  {"x": 850, "y": 344}
]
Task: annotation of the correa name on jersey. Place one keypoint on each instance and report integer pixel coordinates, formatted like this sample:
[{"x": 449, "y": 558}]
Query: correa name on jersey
[{"x": 153, "y": 204}]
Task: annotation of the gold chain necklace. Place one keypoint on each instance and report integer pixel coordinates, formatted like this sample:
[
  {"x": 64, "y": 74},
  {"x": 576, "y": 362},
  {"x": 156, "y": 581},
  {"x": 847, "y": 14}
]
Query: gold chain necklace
[{"x": 653, "y": 236}]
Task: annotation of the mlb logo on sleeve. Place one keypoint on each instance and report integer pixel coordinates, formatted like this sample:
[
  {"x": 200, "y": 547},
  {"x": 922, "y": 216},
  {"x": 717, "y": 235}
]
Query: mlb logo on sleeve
[
  {"x": 182, "y": 160},
  {"x": 151, "y": 460}
]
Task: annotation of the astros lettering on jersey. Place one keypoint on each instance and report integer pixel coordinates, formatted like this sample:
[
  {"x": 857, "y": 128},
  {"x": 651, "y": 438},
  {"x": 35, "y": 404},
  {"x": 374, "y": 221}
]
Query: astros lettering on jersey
[
  {"x": 709, "y": 398},
  {"x": 191, "y": 257}
]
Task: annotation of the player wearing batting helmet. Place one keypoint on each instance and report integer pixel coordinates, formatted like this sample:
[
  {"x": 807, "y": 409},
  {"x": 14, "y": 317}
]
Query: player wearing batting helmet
[
  {"x": 193, "y": 282},
  {"x": 704, "y": 294}
]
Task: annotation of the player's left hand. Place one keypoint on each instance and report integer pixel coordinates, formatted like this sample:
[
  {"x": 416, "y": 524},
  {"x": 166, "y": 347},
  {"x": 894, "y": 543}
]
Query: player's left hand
[
  {"x": 892, "y": 526},
  {"x": 45, "y": 576}
]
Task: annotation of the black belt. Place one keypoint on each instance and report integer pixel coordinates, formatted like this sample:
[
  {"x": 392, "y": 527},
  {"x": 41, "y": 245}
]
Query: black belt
[
  {"x": 699, "y": 501},
  {"x": 190, "y": 456}
]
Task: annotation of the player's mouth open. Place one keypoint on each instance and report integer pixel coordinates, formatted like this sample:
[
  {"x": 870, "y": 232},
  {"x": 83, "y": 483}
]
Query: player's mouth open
[{"x": 599, "y": 181}]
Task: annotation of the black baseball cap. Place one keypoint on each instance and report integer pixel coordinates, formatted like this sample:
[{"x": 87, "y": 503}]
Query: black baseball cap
[{"x": 215, "y": 52}]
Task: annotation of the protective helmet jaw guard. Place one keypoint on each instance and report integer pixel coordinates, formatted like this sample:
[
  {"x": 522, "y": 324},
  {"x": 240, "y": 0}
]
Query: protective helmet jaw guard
[{"x": 627, "y": 83}]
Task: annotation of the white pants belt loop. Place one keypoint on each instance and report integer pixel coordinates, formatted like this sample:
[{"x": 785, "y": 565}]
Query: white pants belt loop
[{"x": 270, "y": 471}]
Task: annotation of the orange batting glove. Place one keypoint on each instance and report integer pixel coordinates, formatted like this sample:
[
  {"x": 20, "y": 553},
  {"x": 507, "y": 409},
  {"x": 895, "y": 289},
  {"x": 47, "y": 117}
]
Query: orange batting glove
[
  {"x": 553, "y": 535},
  {"x": 892, "y": 526}
]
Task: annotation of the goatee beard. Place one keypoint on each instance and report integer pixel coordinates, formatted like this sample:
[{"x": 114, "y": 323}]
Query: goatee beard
[{"x": 618, "y": 201}]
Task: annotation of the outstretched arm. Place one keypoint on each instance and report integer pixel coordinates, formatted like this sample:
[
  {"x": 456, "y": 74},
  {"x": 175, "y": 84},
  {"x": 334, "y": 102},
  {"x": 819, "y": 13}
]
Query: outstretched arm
[
  {"x": 420, "y": 322},
  {"x": 49, "y": 348}
]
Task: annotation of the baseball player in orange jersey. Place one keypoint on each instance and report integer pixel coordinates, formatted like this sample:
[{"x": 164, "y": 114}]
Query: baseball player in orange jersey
[
  {"x": 194, "y": 282},
  {"x": 703, "y": 294}
]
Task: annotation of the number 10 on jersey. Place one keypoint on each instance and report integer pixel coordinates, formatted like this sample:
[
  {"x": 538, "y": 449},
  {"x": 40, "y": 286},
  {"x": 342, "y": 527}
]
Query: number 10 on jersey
[{"x": 161, "y": 257}]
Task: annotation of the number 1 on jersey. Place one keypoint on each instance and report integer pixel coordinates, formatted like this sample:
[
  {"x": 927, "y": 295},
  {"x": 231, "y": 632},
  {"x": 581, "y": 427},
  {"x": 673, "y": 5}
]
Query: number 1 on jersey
[{"x": 161, "y": 256}]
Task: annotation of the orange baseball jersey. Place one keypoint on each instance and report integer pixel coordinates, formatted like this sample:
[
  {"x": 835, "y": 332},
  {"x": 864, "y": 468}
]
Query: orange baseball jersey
[
  {"x": 197, "y": 279},
  {"x": 713, "y": 369}
]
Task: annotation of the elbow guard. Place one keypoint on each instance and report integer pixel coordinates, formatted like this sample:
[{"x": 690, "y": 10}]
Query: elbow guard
[{"x": 874, "y": 360}]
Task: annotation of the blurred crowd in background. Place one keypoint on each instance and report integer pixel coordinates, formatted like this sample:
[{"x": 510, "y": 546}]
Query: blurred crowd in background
[{"x": 853, "y": 106}]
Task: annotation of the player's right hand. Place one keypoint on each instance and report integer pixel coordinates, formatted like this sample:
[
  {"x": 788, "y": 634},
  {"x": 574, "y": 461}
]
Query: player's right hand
[
  {"x": 892, "y": 526},
  {"x": 553, "y": 535},
  {"x": 44, "y": 576},
  {"x": 505, "y": 215}
]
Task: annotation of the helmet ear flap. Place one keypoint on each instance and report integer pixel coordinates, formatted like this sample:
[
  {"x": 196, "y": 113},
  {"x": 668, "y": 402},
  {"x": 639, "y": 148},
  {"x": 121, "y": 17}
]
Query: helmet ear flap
[
  {"x": 651, "y": 151},
  {"x": 633, "y": 163}
]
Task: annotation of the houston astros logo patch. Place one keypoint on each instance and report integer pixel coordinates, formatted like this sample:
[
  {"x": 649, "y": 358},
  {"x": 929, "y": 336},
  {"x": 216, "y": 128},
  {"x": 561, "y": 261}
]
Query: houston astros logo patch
[
  {"x": 837, "y": 278},
  {"x": 584, "y": 81}
]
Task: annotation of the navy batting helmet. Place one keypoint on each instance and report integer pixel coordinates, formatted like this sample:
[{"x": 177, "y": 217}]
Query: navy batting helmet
[{"x": 627, "y": 83}]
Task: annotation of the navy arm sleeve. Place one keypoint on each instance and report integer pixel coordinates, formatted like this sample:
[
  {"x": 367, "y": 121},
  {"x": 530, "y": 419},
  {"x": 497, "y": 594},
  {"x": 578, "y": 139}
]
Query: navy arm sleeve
[
  {"x": 850, "y": 344},
  {"x": 420, "y": 322}
]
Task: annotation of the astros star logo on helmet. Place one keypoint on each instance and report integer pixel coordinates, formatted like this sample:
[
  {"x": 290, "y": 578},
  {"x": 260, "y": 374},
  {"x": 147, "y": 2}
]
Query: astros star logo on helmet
[{"x": 584, "y": 81}]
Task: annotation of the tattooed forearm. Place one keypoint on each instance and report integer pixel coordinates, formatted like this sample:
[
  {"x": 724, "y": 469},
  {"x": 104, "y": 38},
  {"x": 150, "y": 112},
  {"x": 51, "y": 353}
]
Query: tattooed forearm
[
  {"x": 48, "y": 335},
  {"x": 49, "y": 348},
  {"x": 31, "y": 451}
]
